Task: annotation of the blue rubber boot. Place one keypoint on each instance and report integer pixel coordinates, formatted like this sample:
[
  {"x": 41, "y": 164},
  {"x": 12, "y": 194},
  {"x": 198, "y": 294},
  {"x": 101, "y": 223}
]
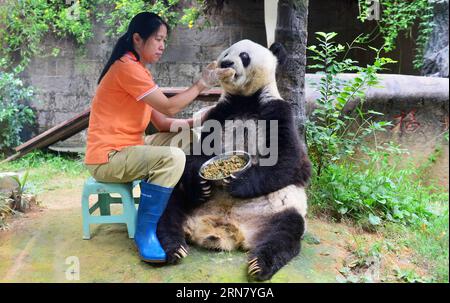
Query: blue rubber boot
[{"x": 153, "y": 202}]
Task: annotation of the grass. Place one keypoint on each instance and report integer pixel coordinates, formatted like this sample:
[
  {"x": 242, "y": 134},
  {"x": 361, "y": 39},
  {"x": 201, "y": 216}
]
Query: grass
[
  {"x": 430, "y": 244},
  {"x": 45, "y": 166},
  {"x": 377, "y": 190},
  {"x": 383, "y": 193}
]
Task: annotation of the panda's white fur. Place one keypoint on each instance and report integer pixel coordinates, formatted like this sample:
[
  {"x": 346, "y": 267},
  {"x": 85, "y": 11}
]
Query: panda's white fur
[
  {"x": 247, "y": 80},
  {"x": 228, "y": 223}
]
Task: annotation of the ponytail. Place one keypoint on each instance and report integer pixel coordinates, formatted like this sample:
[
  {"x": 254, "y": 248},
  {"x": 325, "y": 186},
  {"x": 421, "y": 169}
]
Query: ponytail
[
  {"x": 145, "y": 24},
  {"x": 121, "y": 48}
]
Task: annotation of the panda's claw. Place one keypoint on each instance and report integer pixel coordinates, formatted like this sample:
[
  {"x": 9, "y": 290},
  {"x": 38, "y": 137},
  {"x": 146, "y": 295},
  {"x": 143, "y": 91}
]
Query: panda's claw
[
  {"x": 253, "y": 268},
  {"x": 254, "y": 271},
  {"x": 253, "y": 265},
  {"x": 176, "y": 253},
  {"x": 253, "y": 260},
  {"x": 184, "y": 251}
]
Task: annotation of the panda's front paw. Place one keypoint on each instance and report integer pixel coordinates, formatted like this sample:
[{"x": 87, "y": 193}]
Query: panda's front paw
[
  {"x": 240, "y": 188},
  {"x": 205, "y": 190},
  {"x": 259, "y": 268}
]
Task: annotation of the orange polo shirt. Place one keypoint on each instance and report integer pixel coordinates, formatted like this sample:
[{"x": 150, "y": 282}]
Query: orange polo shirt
[{"x": 118, "y": 116}]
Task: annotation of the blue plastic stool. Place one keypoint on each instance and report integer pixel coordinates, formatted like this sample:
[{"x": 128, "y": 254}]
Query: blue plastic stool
[{"x": 103, "y": 190}]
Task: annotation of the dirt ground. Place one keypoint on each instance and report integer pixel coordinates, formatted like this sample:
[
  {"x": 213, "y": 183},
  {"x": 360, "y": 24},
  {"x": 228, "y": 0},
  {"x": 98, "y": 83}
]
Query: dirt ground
[{"x": 46, "y": 245}]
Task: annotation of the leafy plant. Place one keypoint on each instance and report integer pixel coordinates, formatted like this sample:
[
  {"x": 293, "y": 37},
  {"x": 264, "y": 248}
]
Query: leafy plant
[
  {"x": 21, "y": 204},
  {"x": 24, "y": 24},
  {"x": 331, "y": 132},
  {"x": 410, "y": 276},
  {"x": 400, "y": 17},
  {"x": 14, "y": 111},
  {"x": 352, "y": 179},
  {"x": 362, "y": 265},
  {"x": 376, "y": 190}
]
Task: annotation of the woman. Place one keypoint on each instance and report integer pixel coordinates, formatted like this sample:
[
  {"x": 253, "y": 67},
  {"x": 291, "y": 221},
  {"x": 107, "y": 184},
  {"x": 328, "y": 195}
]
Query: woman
[{"x": 126, "y": 100}]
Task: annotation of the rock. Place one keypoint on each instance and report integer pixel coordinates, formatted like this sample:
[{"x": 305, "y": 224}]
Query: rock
[
  {"x": 436, "y": 57},
  {"x": 7, "y": 182},
  {"x": 311, "y": 239}
]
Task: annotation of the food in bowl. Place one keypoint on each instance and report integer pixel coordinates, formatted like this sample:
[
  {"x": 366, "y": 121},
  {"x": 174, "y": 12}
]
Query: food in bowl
[{"x": 223, "y": 168}]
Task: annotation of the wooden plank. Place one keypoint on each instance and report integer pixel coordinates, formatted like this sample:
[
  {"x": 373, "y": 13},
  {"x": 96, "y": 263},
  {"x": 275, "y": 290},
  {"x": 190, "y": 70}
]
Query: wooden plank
[
  {"x": 70, "y": 127},
  {"x": 80, "y": 120}
]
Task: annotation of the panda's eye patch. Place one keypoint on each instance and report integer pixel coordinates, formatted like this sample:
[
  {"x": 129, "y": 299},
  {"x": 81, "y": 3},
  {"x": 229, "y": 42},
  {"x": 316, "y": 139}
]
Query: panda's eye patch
[{"x": 245, "y": 58}]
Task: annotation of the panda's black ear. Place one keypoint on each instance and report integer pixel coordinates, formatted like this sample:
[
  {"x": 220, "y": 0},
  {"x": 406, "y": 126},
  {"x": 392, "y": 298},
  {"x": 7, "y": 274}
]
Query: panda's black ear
[{"x": 279, "y": 51}]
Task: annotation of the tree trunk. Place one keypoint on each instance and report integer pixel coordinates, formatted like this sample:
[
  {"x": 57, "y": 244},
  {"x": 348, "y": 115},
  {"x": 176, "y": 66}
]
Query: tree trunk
[{"x": 291, "y": 31}]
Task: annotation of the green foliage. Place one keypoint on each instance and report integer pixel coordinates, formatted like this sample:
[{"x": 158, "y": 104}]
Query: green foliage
[
  {"x": 352, "y": 180},
  {"x": 331, "y": 133},
  {"x": 400, "y": 17},
  {"x": 49, "y": 161},
  {"x": 375, "y": 191},
  {"x": 410, "y": 276},
  {"x": 20, "y": 203},
  {"x": 361, "y": 260},
  {"x": 431, "y": 244},
  {"x": 121, "y": 11},
  {"x": 14, "y": 113},
  {"x": 24, "y": 24},
  {"x": 45, "y": 166}
]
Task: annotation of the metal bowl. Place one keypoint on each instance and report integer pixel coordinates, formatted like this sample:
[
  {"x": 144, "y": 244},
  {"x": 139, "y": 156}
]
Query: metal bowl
[{"x": 223, "y": 156}]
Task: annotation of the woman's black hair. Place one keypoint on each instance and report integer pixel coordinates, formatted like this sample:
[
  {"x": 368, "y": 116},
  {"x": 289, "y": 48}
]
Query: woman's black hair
[{"x": 145, "y": 24}]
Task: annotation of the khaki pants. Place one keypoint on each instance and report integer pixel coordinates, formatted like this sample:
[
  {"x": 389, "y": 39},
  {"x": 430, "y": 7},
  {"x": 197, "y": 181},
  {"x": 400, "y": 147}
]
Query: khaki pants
[{"x": 157, "y": 161}]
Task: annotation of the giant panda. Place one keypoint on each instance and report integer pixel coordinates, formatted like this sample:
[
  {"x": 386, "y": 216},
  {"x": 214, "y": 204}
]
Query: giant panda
[{"x": 263, "y": 210}]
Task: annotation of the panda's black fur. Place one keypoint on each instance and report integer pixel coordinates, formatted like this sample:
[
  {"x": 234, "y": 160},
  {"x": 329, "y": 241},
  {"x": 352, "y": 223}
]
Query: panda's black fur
[{"x": 272, "y": 234}]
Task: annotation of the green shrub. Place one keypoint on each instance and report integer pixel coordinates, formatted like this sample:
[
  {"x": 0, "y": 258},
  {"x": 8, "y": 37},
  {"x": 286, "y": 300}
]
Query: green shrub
[
  {"x": 399, "y": 17},
  {"x": 14, "y": 111},
  {"x": 331, "y": 133},
  {"x": 50, "y": 162},
  {"x": 24, "y": 24},
  {"x": 352, "y": 180},
  {"x": 376, "y": 190}
]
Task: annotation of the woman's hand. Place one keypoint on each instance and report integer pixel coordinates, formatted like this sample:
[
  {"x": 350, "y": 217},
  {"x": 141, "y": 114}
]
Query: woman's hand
[{"x": 212, "y": 74}]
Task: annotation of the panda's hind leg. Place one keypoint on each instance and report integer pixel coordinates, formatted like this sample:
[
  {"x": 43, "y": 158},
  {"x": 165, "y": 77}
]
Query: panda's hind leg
[
  {"x": 276, "y": 244},
  {"x": 170, "y": 229}
]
